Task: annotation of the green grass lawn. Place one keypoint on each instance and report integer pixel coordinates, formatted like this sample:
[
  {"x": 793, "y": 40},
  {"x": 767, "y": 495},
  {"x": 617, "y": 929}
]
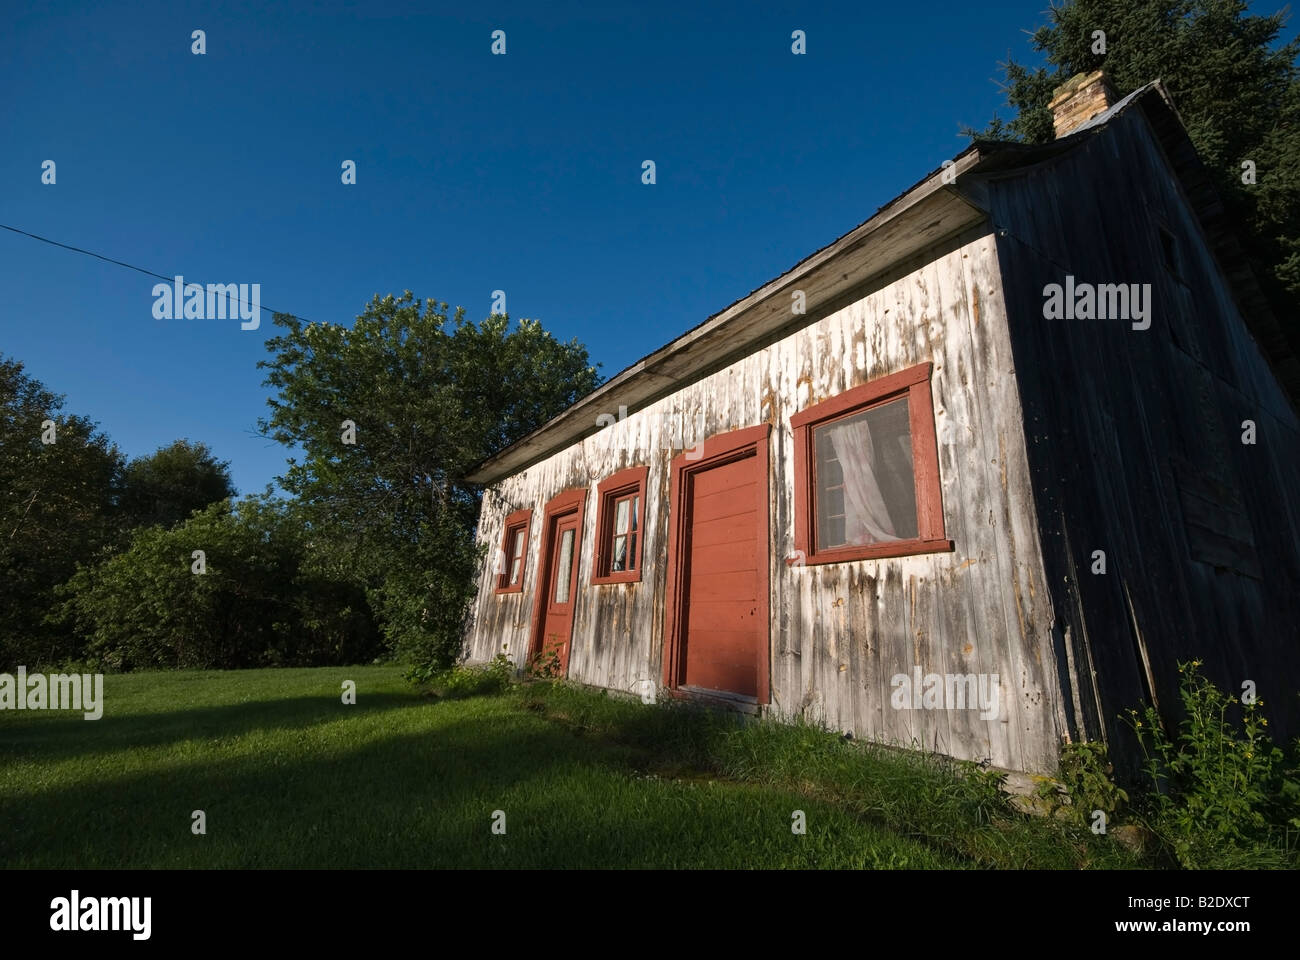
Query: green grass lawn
[{"x": 289, "y": 776}]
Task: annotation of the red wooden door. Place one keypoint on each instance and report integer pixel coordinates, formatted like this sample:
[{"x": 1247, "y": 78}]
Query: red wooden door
[
  {"x": 562, "y": 577},
  {"x": 722, "y": 626}
]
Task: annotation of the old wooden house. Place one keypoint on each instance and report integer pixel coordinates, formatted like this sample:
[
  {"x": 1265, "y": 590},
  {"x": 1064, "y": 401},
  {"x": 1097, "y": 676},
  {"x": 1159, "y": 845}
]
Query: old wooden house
[{"x": 974, "y": 477}]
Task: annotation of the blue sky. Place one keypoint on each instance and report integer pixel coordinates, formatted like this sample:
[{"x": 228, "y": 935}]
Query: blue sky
[{"x": 474, "y": 172}]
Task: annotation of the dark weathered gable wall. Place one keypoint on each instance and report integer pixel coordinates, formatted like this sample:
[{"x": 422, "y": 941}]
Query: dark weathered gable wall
[
  {"x": 840, "y": 632},
  {"x": 1135, "y": 440}
]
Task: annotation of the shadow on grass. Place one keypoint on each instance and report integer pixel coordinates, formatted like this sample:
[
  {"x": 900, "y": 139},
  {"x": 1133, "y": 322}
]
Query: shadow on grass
[
  {"x": 57, "y": 737},
  {"x": 423, "y": 799},
  {"x": 564, "y": 769}
]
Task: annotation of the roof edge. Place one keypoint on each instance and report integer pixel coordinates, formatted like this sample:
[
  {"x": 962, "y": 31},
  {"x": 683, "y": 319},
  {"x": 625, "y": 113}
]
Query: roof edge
[{"x": 618, "y": 390}]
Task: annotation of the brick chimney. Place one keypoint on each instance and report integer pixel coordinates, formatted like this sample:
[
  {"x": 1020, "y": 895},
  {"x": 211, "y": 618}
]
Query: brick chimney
[{"x": 1080, "y": 99}]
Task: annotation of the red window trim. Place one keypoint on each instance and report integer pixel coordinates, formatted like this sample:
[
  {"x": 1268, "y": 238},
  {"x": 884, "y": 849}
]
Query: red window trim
[
  {"x": 612, "y": 488},
  {"x": 914, "y": 383},
  {"x": 515, "y": 521}
]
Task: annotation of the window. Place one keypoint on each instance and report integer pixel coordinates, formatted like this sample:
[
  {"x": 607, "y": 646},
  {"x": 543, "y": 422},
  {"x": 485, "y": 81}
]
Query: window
[
  {"x": 620, "y": 518},
  {"x": 867, "y": 473},
  {"x": 564, "y": 567},
  {"x": 512, "y": 557}
]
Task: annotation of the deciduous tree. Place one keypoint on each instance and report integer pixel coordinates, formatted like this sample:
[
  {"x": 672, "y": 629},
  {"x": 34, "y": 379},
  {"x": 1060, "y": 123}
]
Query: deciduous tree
[{"x": 389, "y": 416}]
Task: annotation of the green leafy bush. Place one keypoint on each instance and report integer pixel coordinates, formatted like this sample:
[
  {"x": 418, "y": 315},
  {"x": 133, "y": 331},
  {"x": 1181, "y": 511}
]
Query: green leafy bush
[
  {"x": 1086, "y": 776},
  {"x": 258, "y": 602},
  {"x": 545, "y": 664},
  {"x": 980, "y": 792},
  {"x": 1222, "y": 793},
  {"x": 464, "y": 680}
]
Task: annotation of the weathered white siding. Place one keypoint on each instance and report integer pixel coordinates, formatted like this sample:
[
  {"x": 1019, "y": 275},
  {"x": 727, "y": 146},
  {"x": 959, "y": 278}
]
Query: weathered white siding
[{"x": 839, "y": 632}]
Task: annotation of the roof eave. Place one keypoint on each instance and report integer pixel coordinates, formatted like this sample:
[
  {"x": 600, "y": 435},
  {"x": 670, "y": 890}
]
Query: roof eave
[{"x": 929, "y": 213}]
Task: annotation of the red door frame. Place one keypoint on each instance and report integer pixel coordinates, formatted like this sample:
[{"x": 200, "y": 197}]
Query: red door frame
[
  {"x": 569, "y": 501},
  {"x": 713, "y": 453}
]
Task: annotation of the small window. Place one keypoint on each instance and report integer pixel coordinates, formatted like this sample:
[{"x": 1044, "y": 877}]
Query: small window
[
  {"x": 564, "y": 567},
  {"x": 867, "y": 473},
  {"x": 512, "y": 556},
  {"x": 620, "y": 519}
]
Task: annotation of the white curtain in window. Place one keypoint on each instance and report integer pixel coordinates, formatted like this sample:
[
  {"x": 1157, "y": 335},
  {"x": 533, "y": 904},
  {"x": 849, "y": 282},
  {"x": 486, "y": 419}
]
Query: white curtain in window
[{"x": 866, "y": 518}]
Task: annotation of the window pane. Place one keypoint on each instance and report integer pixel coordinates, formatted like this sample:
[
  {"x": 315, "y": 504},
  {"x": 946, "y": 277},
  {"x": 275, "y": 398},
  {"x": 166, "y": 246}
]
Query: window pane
[
  {"x": 866, "y": 491},
  {"x": 636, "y": 508},
  {"x": 620, "y": 554},
  {"x": 519, "y": 544},
  {"x": 515, "y": 567},
  {"x": 830, "y": 532},
  {"x": 631, "y": 552},
  {"x": 620, "y": 516},
  {"x": 564, "y": 567},
  {"x": 828, "y": 466},
  {"x": 832, "y": 501}
]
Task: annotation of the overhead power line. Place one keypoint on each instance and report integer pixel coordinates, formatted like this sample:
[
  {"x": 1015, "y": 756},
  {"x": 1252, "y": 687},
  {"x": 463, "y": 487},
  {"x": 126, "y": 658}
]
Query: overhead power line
[{"x": 123, "y": 263}]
